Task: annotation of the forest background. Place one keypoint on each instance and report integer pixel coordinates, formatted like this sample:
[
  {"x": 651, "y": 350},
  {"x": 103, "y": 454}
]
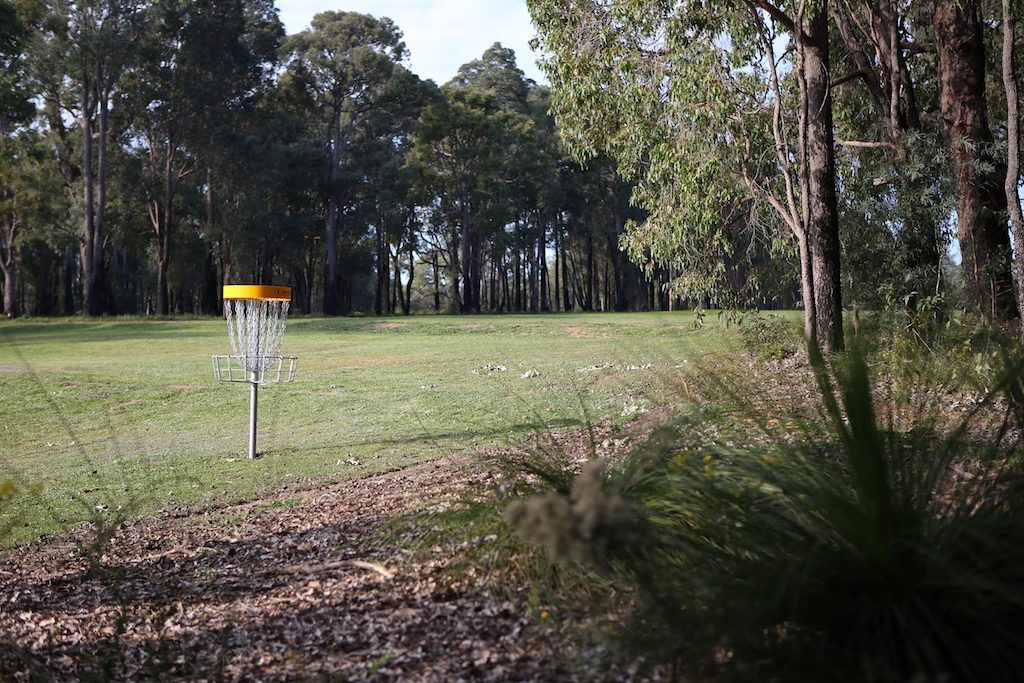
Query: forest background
[{"x": 823, "y": 156}]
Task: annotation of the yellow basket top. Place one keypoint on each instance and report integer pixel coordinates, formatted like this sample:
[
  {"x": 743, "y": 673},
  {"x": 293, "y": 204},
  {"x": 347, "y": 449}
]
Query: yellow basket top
[{"x": 260, "y": 292}]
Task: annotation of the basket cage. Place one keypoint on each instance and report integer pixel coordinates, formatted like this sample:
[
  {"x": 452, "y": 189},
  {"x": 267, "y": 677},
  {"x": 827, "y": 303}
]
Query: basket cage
[{"x": 256, "y": 327}]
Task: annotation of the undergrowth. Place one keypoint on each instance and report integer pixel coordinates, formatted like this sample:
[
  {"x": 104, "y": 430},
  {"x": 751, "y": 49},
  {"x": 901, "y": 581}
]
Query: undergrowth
[{"x": 871, "y": 543}]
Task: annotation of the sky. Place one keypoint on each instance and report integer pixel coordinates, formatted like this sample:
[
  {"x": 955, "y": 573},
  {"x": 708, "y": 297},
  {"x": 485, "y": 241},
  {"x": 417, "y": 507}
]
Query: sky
[{"x": 441, "y": 35}]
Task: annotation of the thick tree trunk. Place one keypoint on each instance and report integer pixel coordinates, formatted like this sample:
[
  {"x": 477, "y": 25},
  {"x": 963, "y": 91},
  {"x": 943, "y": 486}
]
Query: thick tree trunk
[
  {"x": 821, "y": 217},
  {"x": 981, "y": 199},
  {"x": 1010, "y": 187}
]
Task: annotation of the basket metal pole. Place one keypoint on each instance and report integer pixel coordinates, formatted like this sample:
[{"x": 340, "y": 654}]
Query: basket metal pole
[{"x": 252, "y": 417}]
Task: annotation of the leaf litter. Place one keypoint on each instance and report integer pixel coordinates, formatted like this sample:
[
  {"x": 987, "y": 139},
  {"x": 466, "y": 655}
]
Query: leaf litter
[{"x": 303, "y": 588}]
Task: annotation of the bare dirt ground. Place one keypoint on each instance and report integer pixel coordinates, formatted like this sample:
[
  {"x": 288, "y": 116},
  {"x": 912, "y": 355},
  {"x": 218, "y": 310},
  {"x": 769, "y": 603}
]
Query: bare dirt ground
[{"x": 296, "y": 586}]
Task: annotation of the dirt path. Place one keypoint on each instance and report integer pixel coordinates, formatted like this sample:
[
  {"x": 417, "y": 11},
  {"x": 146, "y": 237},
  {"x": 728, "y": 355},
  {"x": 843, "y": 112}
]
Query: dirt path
[{"x": 294, "y": 586}]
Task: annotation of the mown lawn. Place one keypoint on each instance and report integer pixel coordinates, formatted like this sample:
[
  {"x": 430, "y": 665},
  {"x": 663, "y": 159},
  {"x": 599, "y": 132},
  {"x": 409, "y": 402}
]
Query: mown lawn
[{"x": 125, "y": 414}]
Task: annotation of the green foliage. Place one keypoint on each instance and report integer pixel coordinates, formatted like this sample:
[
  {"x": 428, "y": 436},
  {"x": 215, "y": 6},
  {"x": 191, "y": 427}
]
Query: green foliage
[
  {"x": 770, "y": 337},
  {"x": 857, "y": 549},
  {"x": 675, "y": 95}
]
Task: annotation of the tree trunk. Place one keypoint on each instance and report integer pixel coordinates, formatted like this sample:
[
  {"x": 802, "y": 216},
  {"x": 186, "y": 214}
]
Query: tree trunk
[
  {"x": 454, "y": 294},
  {"x": 8, "y": 268},
  {"x": 162, "y": 221},
  {"x": 1010, "y": 187},
  {"x": 208, "y": 298},
  {"x": 407, "y": 302},
  {"x": 396, "y": 285},
  {"x": 379, "y": 284},
  {"x": 981, "y": 198},
  {"x": 90, "y": 287},
  {"x": 591, "y": 275},
  {"x": 331, "y": 212},
  {"x": 566, "y": 298},
  {"x": 467, "y": 260},
  {"x": 437, "y": 283},
  {"x": 101, "y": 294},
  {"x": 821, "y": 216}
]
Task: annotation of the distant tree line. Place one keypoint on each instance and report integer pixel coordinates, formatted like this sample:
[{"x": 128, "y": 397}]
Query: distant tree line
[
  {"x": 688, "y": 154},
  {"x": 151, "y": 152}
]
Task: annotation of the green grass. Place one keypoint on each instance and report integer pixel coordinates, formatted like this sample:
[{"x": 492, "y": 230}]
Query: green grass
[{"x": 126, "y": 413}]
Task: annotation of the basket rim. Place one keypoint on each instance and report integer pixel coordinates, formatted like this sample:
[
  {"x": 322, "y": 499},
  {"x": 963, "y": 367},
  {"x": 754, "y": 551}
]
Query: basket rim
[{"x": 257, "y": 292}]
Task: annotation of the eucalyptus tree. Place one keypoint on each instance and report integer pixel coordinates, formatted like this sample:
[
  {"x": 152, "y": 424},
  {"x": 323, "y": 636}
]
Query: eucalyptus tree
[
  {"x": 464, "y": 149},
  {"x": 346, "y": 64},
  {"x": 196, "y": 57},
  {"x": 1011, "y": 185},
  {"x": 892, "y": 167},
  {"x": 29, "y": 204},
  {"x": 78, "y": 56},
  {"x": 980, "y": 173},
  {"x": 690, "y": 99}
]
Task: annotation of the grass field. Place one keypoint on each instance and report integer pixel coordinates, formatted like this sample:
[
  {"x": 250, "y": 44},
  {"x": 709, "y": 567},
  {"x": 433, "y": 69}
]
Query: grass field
[{"x": 125, "y": 415}]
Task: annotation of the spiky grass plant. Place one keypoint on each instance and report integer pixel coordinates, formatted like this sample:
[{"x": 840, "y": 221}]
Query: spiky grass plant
[{"x": 855, "y": 551}]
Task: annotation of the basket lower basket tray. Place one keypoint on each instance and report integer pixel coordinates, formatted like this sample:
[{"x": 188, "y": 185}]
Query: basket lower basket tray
[{"x": 254, "y": 369}]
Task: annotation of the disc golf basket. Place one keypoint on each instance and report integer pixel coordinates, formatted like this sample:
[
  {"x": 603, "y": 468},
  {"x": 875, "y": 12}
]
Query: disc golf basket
[{"x": 257, "y": 316}]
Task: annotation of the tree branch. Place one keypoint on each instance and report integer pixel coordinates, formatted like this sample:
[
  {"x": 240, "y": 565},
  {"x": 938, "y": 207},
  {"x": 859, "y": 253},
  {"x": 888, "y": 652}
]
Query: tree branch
[
  {"x": 867, "y": 143},
  {"x": 859, "y": 73},
  {"x": 775, "y": 13},
  {"x": 917, "y": 48}
]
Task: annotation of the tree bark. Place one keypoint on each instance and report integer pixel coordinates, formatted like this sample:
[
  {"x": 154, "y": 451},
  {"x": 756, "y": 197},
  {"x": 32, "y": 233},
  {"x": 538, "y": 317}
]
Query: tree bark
[
  {"x": 8, "y": 267},
  {"x": 566, "y": 298},
  {"x": 90, "y": 293},
  {"x": 407, "y": 303},
  {"x": 161, "y": 214},
  {"x": 542, "y": 258},
  {"x": 981, "y": 199},
  {"x": 331, "y": 211},
  {"x": 437, "y": 285},
  {"x": 467, "y": 259},
  {"x": 821, "y": 216},
  {"x": 591, "y": 275},
  {"x": 1012, "y": 183},
  {"x": 208, "y": 298},
  {"x": 101, "y": 296}
]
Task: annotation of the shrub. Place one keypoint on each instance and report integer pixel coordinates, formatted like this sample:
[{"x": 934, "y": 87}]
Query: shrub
[
  {"x": 854, "y": 551},
  {"x": 770, "y": 337}
]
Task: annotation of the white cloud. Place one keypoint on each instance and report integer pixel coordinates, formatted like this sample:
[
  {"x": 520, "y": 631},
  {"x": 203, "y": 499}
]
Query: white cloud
[{"x": 441, "y": 35}]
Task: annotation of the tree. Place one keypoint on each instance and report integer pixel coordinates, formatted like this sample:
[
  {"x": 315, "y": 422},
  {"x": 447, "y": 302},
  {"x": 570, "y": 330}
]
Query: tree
[
  {"x": 197, "y": 57},
  {"x": 77, "y": 61},
  {"x": 1012, "y": 183},
  {"x": 691, "y": 101},
  {"x": 15, "y": 98},
  {"x": 981, "y": 202},
  {"x": 345, "y": 65},
  {"x": 463, "y": 147}
]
